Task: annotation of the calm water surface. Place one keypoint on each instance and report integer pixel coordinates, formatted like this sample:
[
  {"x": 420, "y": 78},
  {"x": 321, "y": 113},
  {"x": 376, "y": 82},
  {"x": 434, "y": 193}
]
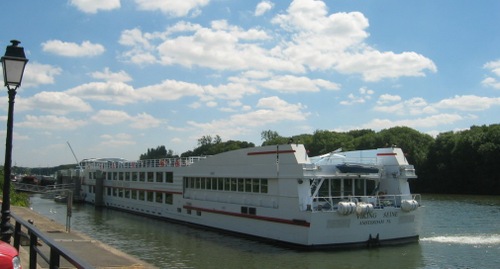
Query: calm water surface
[{"x": 458, "y": 232}]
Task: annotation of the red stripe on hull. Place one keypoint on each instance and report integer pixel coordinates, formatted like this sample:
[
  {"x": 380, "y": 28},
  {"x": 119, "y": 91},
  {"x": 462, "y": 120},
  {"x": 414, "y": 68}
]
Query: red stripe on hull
[
  {"x": 271, "y": 152},
  {"x": 285, "y": 221},
  {"x": 386, "y": 154}
]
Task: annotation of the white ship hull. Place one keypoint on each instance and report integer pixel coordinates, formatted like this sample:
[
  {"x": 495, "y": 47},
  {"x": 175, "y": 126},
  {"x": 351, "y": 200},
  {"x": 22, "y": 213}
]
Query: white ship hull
[{"x": 275, "y": 193}]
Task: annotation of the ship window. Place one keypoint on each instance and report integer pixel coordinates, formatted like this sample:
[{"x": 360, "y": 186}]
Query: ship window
[
  {"x": 170, "y": 177},
  {"x": 150, "y": 195},
  {"x": 159, "y": 197},
  {"x": 134, "y": 194},
  {"x": 255, "y": 185},
  {"x": 127, "y": 176},
  {"x": 135, "y": 176},
  {"x": 127, "y": 193},
  {"x": 141, "y": 195},
  {"x": 252, "y": 211},
  {"x": 263, "y": 185},
  {"x": 248, "y": 185},
  {"x": 197, "y": 183},
  {"x": 239, "y": 184},
  {"x": 209, "y": 183},
  {"x": 114, "y": 192},
  {"x": 151, "y": 176},
  {"x": 169, "y": 198},
  {"x": 105, "y": 175},
  {"x": 220, "y": 184},
  {"x": 198, "y": 213},
  {"x": 120, "y": 175},
  {"x": 108, "y": 191},
  {"x": 159, "y": 176},
  {"x": 348, "y": 187},
  {"x": 244, "y": 210},
  {"x": 188, "y": 211},
  {"x": 142, "y": 176},
  {"x": 120, "y": 192}
]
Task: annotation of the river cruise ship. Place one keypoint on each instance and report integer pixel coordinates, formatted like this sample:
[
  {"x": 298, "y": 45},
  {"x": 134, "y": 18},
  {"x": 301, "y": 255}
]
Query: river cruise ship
[{"x": 276, "y": 193}]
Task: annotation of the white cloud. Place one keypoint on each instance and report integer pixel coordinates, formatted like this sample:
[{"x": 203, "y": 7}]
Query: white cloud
[
  {"x": 170, "y": 90},
  {"x": 269, "y": 110},
  {"x": 229, "y": 91},
  {"x": 417, "y": 105},
  {"x": 364, "y": 94},
  {"x": 174, "y": 8},
  {"x": 289, "y": 83},
  {"x": 38, "y": 74},
  {"x": 117, "y": 140},
  {"x": 336, "y": 41},
  {"x": 107, "y": 75},
  {"x": 110, "y": 117},
  {"x": 113, "y": 92},
  {"x": 54, "y": 102},
  {"x": 70, "y": 49},
  {"x": 51, "y": 122},
  {"x": 412, "y": 106},
  {"x": 376, "y": 65},
  {"x": 263, "y": 7},
  {"x": 492, "y": 82},
  {"x": 388, "y": 98},
  {"x": 223, "y": 47},
  {"x": 144, "y": 121},
  {"x": 426, "y": 122},
  {"x": 93, "y": 6},
  {"x": 494, "y": 67},
  {"x": 468, "y": 103},
  {"x": 312, "y": 39},
  {"x": 113, "y": 117}
]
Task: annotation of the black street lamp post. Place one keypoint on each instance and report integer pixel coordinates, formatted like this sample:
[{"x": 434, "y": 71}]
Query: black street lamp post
[{"x": 13, "y": 63}]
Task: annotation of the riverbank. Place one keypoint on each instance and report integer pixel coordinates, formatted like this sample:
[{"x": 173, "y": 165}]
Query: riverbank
[{"x": 90, "y": 249}]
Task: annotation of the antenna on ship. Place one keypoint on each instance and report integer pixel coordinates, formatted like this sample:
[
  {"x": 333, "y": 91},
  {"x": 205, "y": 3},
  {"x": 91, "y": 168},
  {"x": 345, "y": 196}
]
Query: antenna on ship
[{"x": 76, "y": 159}]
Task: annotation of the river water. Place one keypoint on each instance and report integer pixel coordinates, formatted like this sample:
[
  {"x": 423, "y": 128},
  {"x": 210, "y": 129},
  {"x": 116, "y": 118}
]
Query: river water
[{"x": 458, "y": 232}]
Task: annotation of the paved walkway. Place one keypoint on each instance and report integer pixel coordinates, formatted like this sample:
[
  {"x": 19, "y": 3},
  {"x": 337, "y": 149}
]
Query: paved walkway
[{"x": 89, "y": 249}]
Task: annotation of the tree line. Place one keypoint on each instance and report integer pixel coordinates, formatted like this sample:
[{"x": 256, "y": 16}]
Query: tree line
[{"x": 461, "y": 162}]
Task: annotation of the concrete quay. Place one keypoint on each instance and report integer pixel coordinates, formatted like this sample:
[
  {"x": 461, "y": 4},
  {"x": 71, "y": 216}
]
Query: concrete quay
[{"x": 89, "y": 249}]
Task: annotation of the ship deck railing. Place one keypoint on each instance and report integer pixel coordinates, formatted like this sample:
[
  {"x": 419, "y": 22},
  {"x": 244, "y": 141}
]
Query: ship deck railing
[
  {"x": 325, "y": 203},
  {"x": 149, "y": 163}
]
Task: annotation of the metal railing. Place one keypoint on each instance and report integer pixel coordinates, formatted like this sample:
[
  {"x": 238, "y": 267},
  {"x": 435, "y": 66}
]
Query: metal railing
[
  {"x": 41, "y": 189},
  {"x": 168, "y": 162},
  {"x": 56, "y": 251},
  {"x": 330, "y": 203}
]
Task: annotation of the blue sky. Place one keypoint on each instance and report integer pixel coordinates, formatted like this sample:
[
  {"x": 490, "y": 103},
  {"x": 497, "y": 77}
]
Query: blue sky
[{"x": 117, "y": 77}]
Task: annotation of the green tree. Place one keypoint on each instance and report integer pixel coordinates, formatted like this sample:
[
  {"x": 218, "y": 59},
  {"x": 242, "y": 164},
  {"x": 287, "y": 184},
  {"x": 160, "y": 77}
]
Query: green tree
[
  {"x": 157, "y": 153},
  {"x": 210, "y": 146},
  {"x": 16, "y": 198}
]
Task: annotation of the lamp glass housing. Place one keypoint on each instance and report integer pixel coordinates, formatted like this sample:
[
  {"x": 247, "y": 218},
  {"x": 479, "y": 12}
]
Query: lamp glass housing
[{"x": 13, "y": 69}]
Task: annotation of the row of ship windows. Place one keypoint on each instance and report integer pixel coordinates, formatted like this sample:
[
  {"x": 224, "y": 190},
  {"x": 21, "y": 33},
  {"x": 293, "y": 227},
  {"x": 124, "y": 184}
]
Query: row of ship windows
[
  {"x": 256, "y": 185},
  {"x": 159, "y": 177},
  {"x": 141, "y": 195}
]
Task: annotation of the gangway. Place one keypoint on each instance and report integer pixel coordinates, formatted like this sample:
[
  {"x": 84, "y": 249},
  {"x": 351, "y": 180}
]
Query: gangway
[{"x": 42, "y": 189}]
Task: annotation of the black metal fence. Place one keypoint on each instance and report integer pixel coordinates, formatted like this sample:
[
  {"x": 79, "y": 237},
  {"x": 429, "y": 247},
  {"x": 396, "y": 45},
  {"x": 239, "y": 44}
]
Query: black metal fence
[{"x": 56, "y": 252}]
